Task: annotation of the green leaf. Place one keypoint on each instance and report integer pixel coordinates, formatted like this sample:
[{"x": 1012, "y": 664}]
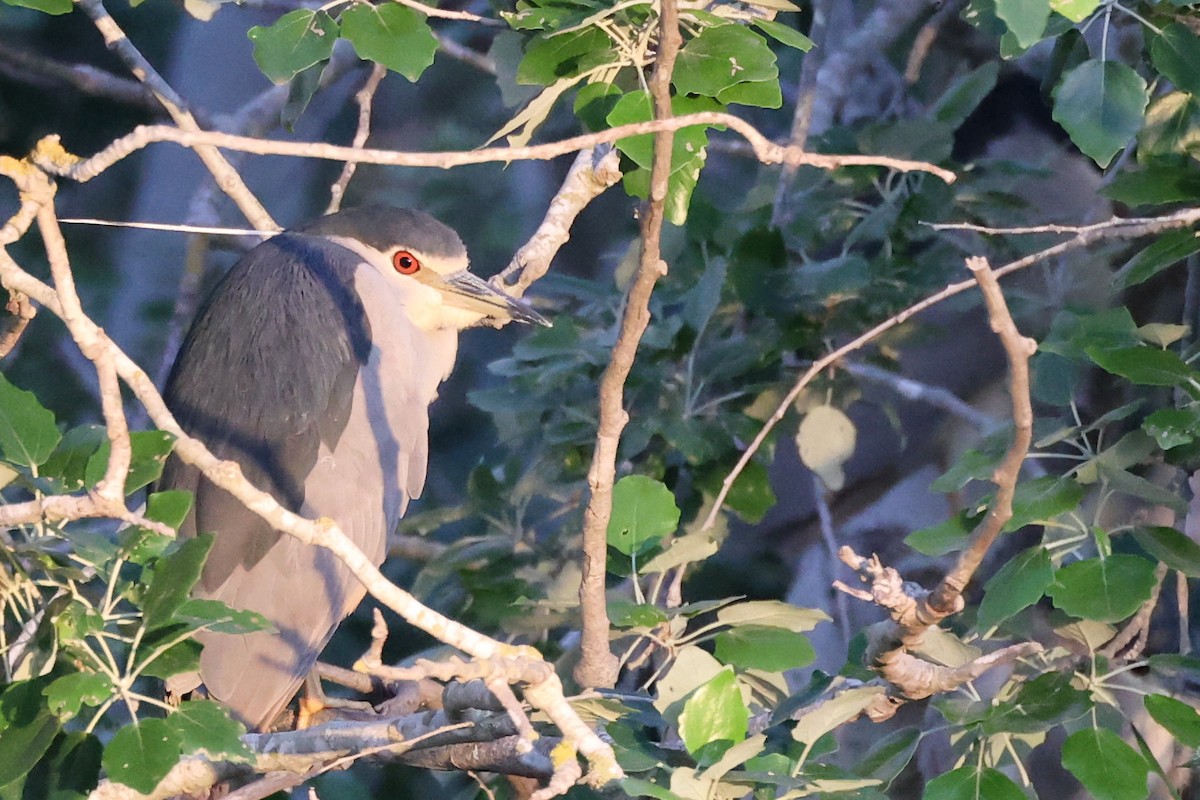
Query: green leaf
[
  {"x": 1103, "y": 589},
  {"x": 1167, "y": 250},
  {"x": 296, "y": 41},
  {"x": 965, "y": 95},
  {"x": 826, "y": 439},
  {"x": 784, "y": 34},
  {"x": 1017, "y": 585},
  {"x": 644, "y": 511},
  {"x": 1175, "y": 666},
  {"x": 773, "y": 614},
  {"x": 688, "y": 153},
  {"x": 1101, "y": 105},
  {"x": 150, "y": 451},
  {"x": 714, "y": 713},
  {"x": 174, "y": 577},
  {"x": 1026, "y": 19},
  {"x": 1105, "y": 765},
  {"x": 1171, "y": 547},
  {"x": 1173, "y": 427},
  {"x": 170, "y": 507},
  {"x": 1171, "y": 127},
  {"x": 888, "y": 757},
  {"x": 205, "y": 725},
  {"x": 762, "y": 647},
  {"x": 972, "y": 783},
  {"x": 637, "y": 787},
  {"x": 68, "y": 462},
  {"x": 594, "y": 102},
  {"x": 1043, "y": 499},
  {"x": 624, "y": 614},
  {"x": 1179, "y": 718},
  {"x": 722, "y": 57},
  {"x": 1041, "y": 704},
  {"x": 216, "y": 616},
  {"x": 28, "y": 434},
  {"x": 827, "y": 715},
  {"x": 301, "y": 90},
  {"x": 66, "y": 695},
  {"x": 1156, "y": 184},
  {"x": 54, "y": 7},
  {"x": 390, "y": 34},
  {"x": 140, "y": 755},
  {"x": 28, "y": 729},
  {"x": 751, "y": 495},
  {"x": 1176, "y": 54},
  {"x": 948, "y": 536},
  {"x": 1074, "y": 10},
  {"x": 180, "y": 658},
  {"x": 1072, "y": 333},
  {"x": 69, "y": 770},
  {"x": 1147, "y": 366},
  {"x": 552, "y": 57}
]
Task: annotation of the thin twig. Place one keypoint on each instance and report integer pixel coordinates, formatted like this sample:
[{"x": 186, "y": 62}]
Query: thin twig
[
  {"x": 918, "y": 392},
  {"x": 447, "y": 13},
  {"x": 364, "y": 97},
  {"x": 50, "y": 155},
  {"x": 597, "y": 665},
  {"x": 594, "y": 171},
  {"x": 460, "y": 52}
]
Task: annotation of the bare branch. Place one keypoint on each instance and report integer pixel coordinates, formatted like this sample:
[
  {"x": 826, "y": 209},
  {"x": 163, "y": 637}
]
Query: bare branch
[
  {"x": 598, "y": 666},
  {"x": 912, "y": 609},
  {"x": 51, "y": 157},
  {"x": 594, "y": 171},
  {"x": 947, "y": 597},
  {"x": 364, "y": 97}
]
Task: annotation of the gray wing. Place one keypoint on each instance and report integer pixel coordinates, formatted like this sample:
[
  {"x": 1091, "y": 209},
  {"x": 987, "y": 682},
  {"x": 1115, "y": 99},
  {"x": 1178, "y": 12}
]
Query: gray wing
[{"x": 268, "y": 377}]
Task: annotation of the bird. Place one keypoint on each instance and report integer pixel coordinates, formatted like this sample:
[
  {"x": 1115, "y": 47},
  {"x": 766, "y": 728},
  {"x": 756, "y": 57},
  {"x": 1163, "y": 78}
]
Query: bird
[{"x": 312, "y": 365}]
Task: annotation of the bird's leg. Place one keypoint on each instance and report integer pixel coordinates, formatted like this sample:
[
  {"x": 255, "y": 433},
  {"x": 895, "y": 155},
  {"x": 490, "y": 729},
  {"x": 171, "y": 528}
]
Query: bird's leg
[{"x": 313, "y": 701}]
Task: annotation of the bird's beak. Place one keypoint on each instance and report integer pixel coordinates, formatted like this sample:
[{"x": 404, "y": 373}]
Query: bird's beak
[{"x": 468, "y": 291}]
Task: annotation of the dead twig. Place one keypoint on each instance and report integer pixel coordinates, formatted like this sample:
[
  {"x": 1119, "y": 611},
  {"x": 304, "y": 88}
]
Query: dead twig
[{"x": 22, "y": 312}]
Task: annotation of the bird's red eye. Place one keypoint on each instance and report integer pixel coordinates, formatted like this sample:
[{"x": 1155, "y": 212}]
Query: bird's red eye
[{"x": 405, "y": 263}]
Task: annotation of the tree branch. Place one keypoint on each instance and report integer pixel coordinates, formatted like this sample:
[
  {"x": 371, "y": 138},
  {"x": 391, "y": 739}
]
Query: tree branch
[
  {"x": 597, "y": 666},
  {"x": 364, "y": 97},
  {"x": 51, "y": 157}
]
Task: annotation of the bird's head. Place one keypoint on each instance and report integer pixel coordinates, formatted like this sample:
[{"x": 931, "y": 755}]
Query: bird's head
[{"x": 425, "y": 262}]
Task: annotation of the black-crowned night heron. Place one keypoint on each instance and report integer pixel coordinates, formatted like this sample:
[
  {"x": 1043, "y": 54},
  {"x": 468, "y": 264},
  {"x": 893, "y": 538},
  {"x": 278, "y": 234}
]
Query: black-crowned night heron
[{"x": 313, "y": 365}]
